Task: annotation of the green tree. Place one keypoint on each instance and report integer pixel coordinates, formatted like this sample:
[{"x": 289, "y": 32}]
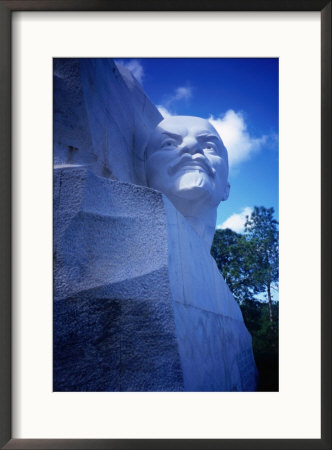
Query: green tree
[
  {"x": 249, "y": 264},
  {"x": 234, "y": 256},
  {"x": 264, "y": 341},
  {"x": 261, "y": 230}
]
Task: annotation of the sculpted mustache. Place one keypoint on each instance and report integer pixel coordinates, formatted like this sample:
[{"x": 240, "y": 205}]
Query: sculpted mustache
[{"x": 198, "y": 160}]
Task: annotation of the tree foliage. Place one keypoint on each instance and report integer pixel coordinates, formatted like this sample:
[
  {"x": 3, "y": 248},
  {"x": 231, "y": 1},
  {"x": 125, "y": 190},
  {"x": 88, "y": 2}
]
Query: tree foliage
[
  {"x": 249, "y": 263},
  {"x": 264, "y": 341},
  {"x": 234, "y": 258},
  {"x": 261, "y": 230}
]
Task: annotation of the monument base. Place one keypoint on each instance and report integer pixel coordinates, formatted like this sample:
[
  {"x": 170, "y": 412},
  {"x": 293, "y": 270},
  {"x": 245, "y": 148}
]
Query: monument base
[{"x": 139, "y": 304}]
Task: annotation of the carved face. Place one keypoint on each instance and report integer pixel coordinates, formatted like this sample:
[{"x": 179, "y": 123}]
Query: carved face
[{"x": 187, "y": 160}]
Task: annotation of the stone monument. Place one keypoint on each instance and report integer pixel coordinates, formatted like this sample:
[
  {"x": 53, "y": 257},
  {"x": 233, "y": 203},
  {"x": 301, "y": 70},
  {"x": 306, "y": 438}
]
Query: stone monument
[
  {"x": 139, "y": 303},
  {"x": 188, "y": 162}
]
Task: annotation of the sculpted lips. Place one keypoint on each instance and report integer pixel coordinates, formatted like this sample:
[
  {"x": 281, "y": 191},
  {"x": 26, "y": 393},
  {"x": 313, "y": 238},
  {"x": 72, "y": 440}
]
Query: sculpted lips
[{"x": 197, "y": 162}]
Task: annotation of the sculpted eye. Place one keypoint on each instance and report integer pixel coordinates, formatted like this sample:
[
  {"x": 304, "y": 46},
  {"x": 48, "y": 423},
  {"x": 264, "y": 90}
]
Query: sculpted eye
[
  {"x": 168, "y": 143},
  {"x": 210, "y": 146}
]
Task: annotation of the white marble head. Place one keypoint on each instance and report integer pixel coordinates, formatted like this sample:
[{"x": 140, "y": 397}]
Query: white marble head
[{"x": 187, "y": 161}]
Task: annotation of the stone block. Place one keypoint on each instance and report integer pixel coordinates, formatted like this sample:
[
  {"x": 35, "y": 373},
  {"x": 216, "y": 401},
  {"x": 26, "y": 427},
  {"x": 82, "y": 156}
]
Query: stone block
[
  {"x": 114, "y": 326},
  {"x": 101, "y": 118},
  {"x": 139, "y": 304}
]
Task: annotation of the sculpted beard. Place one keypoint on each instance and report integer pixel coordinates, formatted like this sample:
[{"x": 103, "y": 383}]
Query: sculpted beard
[
  {"x": 192, "y": 177},
  {"x": 192, "y": 184}
]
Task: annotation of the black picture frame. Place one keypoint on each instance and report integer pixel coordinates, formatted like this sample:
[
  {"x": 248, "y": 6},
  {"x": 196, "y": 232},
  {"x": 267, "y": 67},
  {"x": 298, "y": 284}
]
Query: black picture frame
[{"x": 6, "y": 9}]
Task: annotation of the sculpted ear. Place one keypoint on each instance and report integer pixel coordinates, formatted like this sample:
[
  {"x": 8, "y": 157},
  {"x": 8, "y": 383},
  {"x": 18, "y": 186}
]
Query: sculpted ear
[{"x": 226, "y": 192}]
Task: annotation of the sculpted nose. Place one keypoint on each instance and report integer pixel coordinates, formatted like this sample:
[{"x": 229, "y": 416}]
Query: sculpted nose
[{"x": 191, "y": 146}]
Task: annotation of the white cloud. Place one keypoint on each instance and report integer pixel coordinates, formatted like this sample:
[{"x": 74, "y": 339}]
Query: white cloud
[
  {"x": 180, "y": 93},
  {"x": 233, "y": 131},
  {"x": 236, "y": 221},
  {"x": 164, "y": 111},
  {"x": 135, "y": 68}
]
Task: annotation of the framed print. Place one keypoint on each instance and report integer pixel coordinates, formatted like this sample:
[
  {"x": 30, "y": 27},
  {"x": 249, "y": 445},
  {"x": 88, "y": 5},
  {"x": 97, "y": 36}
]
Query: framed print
[{"x": 61, "y": 63}]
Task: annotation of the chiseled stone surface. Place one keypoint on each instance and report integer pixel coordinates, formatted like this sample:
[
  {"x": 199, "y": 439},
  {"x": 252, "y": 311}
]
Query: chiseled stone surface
[
  {"x": 72, "y": 142},
  {"x": 139, "y": 303},
  {"x": 214, "y": 343},
  {"x": 102, "y": 118},
  {"x": 97, "y": 233},
  {"x": 114, "y": 327},
  {"x": 114, "y": 344}
]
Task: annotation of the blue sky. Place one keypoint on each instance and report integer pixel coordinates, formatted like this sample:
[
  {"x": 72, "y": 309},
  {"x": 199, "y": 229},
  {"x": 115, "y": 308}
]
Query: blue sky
[{"x": 240, "y": 96}]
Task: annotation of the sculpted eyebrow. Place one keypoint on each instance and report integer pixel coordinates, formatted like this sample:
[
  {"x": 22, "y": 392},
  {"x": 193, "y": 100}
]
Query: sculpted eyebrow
[
  {"x": 208, "y": 136},
  {"x": 172, "y": 135},
  {"x": 211, "y": 137}
]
